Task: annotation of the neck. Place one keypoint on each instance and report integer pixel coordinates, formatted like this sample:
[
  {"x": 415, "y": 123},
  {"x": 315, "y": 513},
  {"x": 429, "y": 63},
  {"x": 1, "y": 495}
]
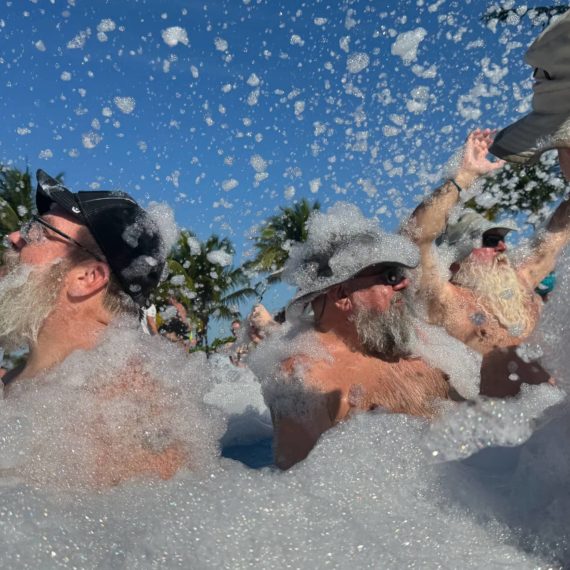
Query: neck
[
  {"x": 64, "y": 331},
  {"x": 339, "y": 329}
]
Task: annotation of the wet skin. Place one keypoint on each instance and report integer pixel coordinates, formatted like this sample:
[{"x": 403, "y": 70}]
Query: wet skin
[
  {"x": 465, "y": 317},
  {"x": 117, "y": 458},
  {"x": 351, "y": 380}
]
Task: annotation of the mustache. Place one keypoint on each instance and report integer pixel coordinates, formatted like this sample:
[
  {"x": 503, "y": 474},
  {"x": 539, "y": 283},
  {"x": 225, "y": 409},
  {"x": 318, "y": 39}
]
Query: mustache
[{"x": 389, "y": 333}]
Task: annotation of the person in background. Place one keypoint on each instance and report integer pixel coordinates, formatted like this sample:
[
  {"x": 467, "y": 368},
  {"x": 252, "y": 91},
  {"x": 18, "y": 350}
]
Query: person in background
[
  {"x": 177, "y": 328},
  {"x": 148, "y": 320},
  {"x": 235, "y": 328}
]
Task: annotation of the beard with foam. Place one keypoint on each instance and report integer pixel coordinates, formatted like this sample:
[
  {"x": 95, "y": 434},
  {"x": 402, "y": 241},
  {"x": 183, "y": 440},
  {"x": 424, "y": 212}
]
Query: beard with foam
[
  {"x": 499, "y": 290},
  {"x": 387, "y": 333},
  {"x": 27, "y": 297}
]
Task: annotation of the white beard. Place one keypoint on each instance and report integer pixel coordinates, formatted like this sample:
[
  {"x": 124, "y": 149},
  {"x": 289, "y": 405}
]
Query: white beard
[
  {"x": 499, "y": 290},
  {"x": 27, "y": 296}
]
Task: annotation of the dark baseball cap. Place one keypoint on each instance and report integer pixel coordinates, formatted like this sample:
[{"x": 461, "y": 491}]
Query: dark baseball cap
[{"x": 128, "y": 237}]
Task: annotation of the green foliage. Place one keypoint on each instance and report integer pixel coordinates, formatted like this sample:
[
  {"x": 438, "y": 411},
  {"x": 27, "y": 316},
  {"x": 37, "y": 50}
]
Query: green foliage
[
  {"x": 218, "y": 342},
  {"x": 275, "y": 233},
  {"x": 206, "y": 289},
  {"x": 16, "y": 199},
  {"x": 538, "y": 15},
  {"x": 522, "y": 189}
]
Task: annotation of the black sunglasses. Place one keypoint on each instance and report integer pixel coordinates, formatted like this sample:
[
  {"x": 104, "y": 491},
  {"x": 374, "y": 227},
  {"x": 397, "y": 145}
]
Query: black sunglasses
[
  {"x": 385, "y": 274},
  {"x": 32, "y": 232},
  {"x": 492, "y": 240}
]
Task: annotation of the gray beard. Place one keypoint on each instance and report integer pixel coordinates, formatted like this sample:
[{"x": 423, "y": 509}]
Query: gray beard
[
  {"x": 389, "y": 333},
  {"x": 27, "y": 296}
]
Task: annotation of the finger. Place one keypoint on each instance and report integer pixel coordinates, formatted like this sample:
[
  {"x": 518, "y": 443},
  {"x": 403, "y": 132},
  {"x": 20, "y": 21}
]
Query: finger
[{"x": 497, "y": 165}]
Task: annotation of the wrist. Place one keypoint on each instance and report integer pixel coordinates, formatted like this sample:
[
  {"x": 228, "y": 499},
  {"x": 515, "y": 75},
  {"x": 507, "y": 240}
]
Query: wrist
[{"x": 465, "y": 179}]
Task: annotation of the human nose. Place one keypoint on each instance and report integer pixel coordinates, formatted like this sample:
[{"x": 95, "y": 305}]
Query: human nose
[
  {"x": 405, "y": 282},
  {"x": 501, "y": 246},
  {"x": 16, "y": 240}
]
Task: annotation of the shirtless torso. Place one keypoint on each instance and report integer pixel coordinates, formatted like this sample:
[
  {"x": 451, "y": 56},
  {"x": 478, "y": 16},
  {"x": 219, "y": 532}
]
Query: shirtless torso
[
  {"x": 457, "y": 309},
  {"x": 352, "y": 381},
  {"x": 466, "y": 318},
  {"x": 140, "y": 444}
]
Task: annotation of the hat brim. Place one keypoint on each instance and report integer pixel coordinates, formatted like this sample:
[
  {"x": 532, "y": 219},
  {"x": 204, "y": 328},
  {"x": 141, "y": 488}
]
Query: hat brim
[
  {"x": 524, "y": 141},
  {"x": 304, "y": 296},
  {"x": 503, "y": 229},
  {"x": 49, "y": 191}
]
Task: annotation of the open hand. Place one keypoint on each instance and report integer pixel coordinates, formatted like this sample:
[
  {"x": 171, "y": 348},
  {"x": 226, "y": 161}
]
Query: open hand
[{"x": 474, "y": 161}]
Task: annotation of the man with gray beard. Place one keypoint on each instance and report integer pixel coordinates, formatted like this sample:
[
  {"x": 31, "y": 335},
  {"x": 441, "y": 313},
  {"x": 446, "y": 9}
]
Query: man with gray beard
[
  {"x": 469, "y": 285},
  {"x": 352, "y": 345},
  {"x": 86, "y": 261}
]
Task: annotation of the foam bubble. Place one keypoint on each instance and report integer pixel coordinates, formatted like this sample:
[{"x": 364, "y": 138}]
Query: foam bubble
[{"x": 175, "y": 35}]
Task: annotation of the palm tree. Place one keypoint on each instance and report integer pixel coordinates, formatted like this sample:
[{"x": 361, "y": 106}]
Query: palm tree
[
  {"x": 276, "y": 234},
  {"x": 204, "y": 280}
]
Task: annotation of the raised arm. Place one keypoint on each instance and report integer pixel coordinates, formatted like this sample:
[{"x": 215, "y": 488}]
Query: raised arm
[
  {"x": 429, "y": 219},
  {"x": 546, "y": 247}
]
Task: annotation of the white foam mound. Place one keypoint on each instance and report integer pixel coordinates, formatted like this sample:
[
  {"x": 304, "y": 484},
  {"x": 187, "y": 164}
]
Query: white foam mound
[
  {"x": 490, "y": 422},
  {"x": 237, "y": 393},
  {"x": 78, "y": 425},
  {"x": 365, "y": 498}
]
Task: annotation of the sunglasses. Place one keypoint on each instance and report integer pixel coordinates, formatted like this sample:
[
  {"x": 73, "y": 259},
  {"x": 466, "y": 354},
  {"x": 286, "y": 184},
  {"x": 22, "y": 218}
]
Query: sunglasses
[
  {"x": 34, "y": 231},
  {"x": 385, "y": 275},
  {"x": 492, "y": 240}
]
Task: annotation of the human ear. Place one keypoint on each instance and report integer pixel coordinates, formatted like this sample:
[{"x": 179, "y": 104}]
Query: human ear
[
  {"x": 341, "y": 298},
  {"x": 88, "y": 278}
]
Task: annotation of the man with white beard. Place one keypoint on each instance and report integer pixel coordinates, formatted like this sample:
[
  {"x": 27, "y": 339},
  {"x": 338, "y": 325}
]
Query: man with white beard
[
  {"x": 87, "y": 261},
  {"x": 484, "y": 301},
  {"x": 354, "y": 350},
  {"x": 488, "y": 304}
]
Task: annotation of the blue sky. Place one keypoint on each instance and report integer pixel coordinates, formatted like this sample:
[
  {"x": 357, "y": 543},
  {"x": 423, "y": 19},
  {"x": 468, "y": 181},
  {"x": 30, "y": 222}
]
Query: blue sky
[{"x": 228, "y": 109}]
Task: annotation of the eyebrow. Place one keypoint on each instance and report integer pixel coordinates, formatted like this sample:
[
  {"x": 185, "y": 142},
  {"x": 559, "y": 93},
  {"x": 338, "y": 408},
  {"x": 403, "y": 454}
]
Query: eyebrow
[{"x": 48, "y": 225}]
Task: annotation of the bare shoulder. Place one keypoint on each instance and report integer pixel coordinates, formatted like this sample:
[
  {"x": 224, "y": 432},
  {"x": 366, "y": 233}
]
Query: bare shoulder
[{"x": 311, "y": 369}]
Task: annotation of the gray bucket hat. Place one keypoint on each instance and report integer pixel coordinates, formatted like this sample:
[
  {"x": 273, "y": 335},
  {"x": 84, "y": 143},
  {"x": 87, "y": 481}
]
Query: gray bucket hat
[
  {"x": 340, "y": 244},
  {"x": 548, "y": 125},
  {"x": 469, "y": 229}
]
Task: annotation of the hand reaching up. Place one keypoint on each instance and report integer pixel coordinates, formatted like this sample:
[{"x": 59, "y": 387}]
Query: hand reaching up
[{"x": 474, "y": 160}]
